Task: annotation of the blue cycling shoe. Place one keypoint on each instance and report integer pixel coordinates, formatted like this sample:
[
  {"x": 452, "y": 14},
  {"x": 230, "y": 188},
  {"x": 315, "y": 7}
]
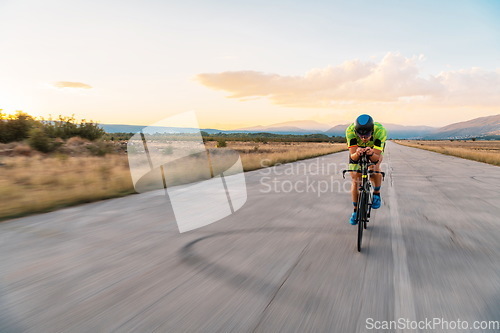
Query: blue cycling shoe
[
  {"x": 376, "y": 202},
  {"x": 353, "y": 219}
]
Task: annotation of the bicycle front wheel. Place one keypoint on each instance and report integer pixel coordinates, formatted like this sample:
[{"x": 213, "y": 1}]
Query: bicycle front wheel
[{"x": 361, "y": 217}]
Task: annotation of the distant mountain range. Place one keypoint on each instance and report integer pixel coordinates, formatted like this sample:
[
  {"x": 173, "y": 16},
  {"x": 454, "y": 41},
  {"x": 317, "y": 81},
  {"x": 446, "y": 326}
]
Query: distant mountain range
[
  {"x": 309, "y": 126},
  {"x": 484, "y": 127},
  {"x": 394, "y": 131}
]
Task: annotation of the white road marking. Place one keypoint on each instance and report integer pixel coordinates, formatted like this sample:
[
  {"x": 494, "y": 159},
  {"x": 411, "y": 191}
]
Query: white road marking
[{"x": 404, "y": 306}]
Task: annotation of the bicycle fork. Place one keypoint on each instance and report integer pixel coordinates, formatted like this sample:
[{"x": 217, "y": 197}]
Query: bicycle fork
[{"x": 366, "y": 187}]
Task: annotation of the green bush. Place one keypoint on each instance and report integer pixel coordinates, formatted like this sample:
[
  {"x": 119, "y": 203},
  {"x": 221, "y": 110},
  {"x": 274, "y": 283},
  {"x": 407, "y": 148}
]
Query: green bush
[
  {"x": 63, "y": 128},
  {"x": 16, "y": 127},
  {"x": 90, "y": 130},
  {"x": 67, "y": 127},
  {"x": 221, "y": 143},
  {"x": 117, "y": 136},
  {"x": 169, "y": 150},
  {"x": 99, "y": 148},
  {"x": 39, "y": 140}
]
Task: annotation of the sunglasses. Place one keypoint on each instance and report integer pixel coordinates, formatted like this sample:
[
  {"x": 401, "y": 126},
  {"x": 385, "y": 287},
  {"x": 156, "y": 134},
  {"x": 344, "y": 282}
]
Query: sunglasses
[{"x": 365, "y": 135}]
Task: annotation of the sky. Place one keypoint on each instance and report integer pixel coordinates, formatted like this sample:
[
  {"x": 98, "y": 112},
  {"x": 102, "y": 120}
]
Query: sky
[{"x": 247, "y": 63}]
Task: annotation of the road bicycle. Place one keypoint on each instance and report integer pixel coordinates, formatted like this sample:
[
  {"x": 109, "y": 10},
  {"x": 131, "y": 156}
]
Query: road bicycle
[{"x": 364, "y": 204}]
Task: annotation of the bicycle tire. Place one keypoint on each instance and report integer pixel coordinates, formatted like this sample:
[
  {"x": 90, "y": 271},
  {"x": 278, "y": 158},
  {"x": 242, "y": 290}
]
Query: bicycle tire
[
  {"x": 366, "y": 204},
  {"x": 360, "y": 216}
]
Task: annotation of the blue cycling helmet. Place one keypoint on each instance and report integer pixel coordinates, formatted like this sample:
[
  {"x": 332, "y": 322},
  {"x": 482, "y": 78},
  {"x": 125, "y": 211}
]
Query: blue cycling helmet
[{"x": 364, "y": 125}]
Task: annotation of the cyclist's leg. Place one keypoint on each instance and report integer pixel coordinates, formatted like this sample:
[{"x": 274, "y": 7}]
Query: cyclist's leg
[
  {"x": 355, "y": 181},
  {"x": 376, "y": 178}
]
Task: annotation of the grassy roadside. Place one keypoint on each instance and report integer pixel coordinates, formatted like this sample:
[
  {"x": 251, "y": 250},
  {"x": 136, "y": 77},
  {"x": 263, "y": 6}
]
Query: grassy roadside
[
  {"x": 39, "y": 184},
  {"x": 36, "y": 184},
  {"x": 481, "y": 151},
  {"x": 252, "y": 155}
]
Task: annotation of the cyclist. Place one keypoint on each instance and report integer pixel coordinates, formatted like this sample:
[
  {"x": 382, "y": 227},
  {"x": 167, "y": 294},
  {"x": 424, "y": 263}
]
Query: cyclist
[{"x": 365, "y": 137}]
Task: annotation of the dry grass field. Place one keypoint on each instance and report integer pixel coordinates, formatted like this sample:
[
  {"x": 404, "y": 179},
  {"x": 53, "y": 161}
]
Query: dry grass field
[
  {"x": 482, "y": 151},
  {"x": 38, "y": 184},
  {"x": 32, "y": 183},
  {"x": 255, "y": 156}
]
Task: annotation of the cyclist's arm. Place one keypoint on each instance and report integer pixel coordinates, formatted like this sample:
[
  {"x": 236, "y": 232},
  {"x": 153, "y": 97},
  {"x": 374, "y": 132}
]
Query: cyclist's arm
[
  {"x": 353, "y": 153},
  {"x": 379, "y": 144},
  {"x": 374, "y": 154},
  {"x": 356, "y": 152},
  {"x": 352, "y": 143}
]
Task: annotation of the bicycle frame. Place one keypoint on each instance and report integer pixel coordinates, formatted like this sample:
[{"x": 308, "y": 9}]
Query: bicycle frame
[{"x": 364, "y": 204}]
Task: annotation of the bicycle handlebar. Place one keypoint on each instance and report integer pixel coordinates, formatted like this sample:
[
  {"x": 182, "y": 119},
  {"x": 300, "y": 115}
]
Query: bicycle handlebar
[{"x": 359, "y": 171}]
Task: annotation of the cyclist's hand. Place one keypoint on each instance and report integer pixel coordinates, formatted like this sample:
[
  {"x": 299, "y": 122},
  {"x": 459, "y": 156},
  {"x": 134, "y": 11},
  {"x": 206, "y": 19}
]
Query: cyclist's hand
[
  {"x": 369, "y": 151},
  {"x": 360, "y": 151}
]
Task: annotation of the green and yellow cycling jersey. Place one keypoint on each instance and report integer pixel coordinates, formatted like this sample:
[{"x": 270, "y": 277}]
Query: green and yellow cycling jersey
[{"x": 377, "y": 141}]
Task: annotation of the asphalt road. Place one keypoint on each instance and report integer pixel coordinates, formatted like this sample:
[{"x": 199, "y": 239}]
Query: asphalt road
[{"x": 285, "y": 262}]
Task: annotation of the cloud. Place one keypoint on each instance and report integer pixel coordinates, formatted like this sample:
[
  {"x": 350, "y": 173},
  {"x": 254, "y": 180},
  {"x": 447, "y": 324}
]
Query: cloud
[
  {"x": 474, "y": 86},
  {"x": 394, "y": 79},
  {"x": 66, "y": 84}
]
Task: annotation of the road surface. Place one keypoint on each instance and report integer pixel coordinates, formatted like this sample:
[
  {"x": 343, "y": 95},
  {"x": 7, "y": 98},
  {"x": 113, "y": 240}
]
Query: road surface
[{"x": 285, "y": 262}]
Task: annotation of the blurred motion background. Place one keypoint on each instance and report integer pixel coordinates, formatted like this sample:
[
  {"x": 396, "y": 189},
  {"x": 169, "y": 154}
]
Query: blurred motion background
[{"x": 276, "y": 83}]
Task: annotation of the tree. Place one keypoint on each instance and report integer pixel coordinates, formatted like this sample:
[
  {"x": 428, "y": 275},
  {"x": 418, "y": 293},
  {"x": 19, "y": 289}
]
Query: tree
[
  {"x": 68, "y": 127},
  {"x": 15, "y": 127},
  {"x": 63, "y": 127}
]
